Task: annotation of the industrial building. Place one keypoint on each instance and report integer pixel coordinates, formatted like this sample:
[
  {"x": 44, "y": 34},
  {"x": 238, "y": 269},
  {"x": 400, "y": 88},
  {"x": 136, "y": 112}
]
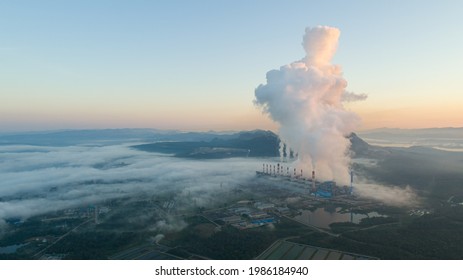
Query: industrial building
[{"x": 326, "y": 189}]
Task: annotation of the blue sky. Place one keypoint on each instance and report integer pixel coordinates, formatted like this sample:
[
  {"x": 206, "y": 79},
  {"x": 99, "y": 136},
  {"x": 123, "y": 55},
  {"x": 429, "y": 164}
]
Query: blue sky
[{"x": 194, "y": 65}]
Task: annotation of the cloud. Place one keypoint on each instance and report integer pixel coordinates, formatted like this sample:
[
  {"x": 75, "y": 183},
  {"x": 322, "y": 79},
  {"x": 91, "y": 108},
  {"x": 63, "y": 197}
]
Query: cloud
[
  {"x": 169, "y": 225},
  {"x": 37, "y": 180},
  {"x": 390, "y": 195},
  {"x": 349, "y": 96}
]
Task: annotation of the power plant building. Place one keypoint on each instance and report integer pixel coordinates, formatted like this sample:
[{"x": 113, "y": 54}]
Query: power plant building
[{"x": 326, "y": 189}]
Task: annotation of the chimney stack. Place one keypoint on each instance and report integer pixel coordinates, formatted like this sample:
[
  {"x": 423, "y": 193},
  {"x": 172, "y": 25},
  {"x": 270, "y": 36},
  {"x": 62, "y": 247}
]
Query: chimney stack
[
  {"x": 351, "y": 181},
  {"x": 313, "y": 181}
]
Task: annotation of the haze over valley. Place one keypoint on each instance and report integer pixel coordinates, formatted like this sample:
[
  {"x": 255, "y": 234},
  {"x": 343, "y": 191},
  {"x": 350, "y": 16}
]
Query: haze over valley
[{"x": 132, "y": 174}]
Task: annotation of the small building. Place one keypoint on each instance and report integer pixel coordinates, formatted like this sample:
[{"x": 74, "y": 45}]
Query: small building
[
  {"x": 231, "y": 219},
  {"x": 283, "y": 210},
  {"x": 264, "y": 206},
  {"x": 257, "y": 215}
]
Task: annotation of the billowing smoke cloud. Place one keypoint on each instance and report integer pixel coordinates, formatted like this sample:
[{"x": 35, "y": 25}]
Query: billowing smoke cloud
[{"x": 305, "y": 99}]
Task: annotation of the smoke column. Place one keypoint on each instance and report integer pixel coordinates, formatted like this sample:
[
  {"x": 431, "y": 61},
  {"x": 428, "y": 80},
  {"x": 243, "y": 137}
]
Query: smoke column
[{"x": 305, "y": 99}]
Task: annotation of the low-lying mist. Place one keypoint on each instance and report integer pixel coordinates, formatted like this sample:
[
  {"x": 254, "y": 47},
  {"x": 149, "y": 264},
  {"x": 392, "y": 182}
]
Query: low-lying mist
[{"x": 37, "y": 179}]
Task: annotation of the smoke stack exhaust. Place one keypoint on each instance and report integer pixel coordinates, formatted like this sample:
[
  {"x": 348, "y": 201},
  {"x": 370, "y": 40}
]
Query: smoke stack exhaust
[{"x": 306, "y": 99}]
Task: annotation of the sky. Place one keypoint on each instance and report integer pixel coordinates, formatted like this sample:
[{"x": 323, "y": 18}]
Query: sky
[{"x": 194, "y": 65}]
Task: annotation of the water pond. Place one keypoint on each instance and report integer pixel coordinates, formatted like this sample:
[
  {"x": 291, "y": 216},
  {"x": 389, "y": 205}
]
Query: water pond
[{"x": 322, "y": 217}]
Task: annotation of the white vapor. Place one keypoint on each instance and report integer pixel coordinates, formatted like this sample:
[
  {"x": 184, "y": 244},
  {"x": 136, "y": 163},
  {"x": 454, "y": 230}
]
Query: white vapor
[
  {"x": 392, "y": 195},
  {"x": 305, "y": 99}
]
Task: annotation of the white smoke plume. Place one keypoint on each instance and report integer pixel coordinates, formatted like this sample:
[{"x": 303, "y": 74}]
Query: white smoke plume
[
  {"x": 390, "y": 195},
  {"x": 305, "y": 99}
]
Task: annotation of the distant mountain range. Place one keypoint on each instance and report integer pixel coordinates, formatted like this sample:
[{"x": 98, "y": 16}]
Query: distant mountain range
[
  {"x": 416, "y": 131},
  {"x": 440, "y": 138},
  {"x": 105, "y": 136},
  {"x": 407, "y": 134},
  {"x": 257, "y": 143}
]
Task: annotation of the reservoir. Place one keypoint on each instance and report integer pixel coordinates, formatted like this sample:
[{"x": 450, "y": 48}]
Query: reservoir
[{"x": 322, "y": 218}]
